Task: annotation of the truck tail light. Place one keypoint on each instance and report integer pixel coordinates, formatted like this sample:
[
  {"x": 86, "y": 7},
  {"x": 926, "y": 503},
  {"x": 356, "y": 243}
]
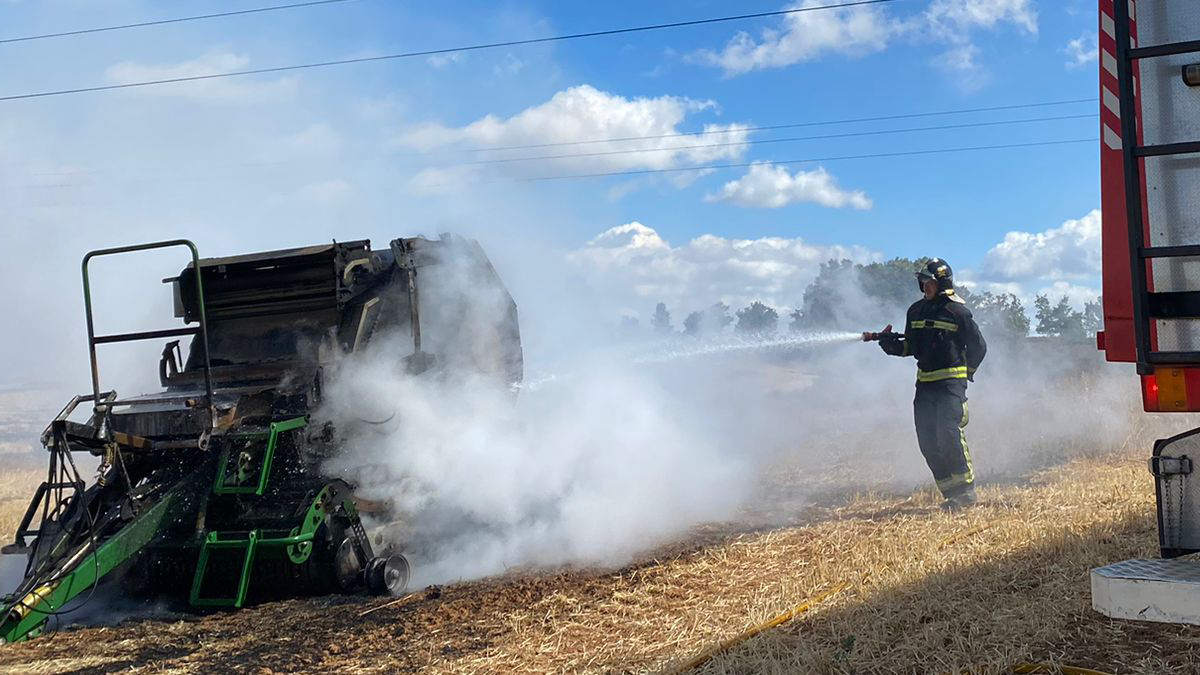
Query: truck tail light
[
  {"x": 1171, "y": 390},
  {"x": 1149, "y": 393}
]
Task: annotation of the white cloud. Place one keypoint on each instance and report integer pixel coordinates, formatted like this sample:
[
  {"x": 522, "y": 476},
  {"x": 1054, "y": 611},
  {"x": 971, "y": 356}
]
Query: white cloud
[
  {"x": 584, "y": 113},
  {"x": 326, "y": 192},
  {"x": 1070, "y": 252},
  {"x": 1082, "y": 50},
  {"x": 861, "y": 30},
  {"x": 443, "y": 60},
  {"x": 1056, "y": 262},
  {"x": 1076, "y": 294},
  {"x": 960, "y": 59},
  {"x": 854, "y": 31},
  {"x": 316, "y": 138},
  {"x": 767, "y": 186},
  {"x": 440, "y": 181},
  {"x": 619, "y": 191},
  {"x": 245, "y": 89},
  {"x": 629, "y": 237},
  {"x": 953, "y": 22},
  {"x": 509, "y": 65},
  {"x": 955, "y": 17},
  {"x": 635, "y": 263}
]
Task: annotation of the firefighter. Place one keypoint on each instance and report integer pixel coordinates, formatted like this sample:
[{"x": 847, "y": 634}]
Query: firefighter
[{"x": 941, "y": 334}]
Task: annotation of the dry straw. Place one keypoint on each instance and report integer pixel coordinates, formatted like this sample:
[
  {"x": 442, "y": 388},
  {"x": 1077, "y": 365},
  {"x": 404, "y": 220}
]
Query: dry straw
[
  {"x": 983, "y": 591},
  {"x": 780, "y": 619}
]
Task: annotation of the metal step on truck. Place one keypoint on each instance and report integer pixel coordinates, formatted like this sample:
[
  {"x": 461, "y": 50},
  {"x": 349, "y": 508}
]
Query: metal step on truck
[{"x": 1149, "y": 67}]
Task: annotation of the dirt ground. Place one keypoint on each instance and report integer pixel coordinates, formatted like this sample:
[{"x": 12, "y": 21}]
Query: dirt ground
[{"x": 984, "y": 591}]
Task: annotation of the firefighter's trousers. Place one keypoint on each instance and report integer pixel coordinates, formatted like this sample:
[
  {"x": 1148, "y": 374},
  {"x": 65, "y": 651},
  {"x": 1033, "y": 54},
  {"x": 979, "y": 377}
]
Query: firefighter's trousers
[{"x": 940, "y": 410}]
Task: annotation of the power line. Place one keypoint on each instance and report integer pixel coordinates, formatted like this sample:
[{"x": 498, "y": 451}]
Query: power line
[
  {"x": 741, "y": 165},
  {"x": 84, "y": 31},
  {"x": 760, "y": 141},
  {"x": 434, "y": 52},
  {"x": 775, "y": 127},
  {"x": 879, "y": 132}
]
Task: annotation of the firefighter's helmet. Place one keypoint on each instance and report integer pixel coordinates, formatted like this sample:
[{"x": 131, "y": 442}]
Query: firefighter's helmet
[{"x": 939, "y": 271}]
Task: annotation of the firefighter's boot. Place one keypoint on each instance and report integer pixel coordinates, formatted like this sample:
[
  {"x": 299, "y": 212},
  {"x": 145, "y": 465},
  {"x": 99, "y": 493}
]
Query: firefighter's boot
[{"x": 960, "y": 501}]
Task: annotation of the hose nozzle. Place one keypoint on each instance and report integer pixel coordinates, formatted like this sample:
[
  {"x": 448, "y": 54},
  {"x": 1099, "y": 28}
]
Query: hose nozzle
[{"x": 876, "y": 337}]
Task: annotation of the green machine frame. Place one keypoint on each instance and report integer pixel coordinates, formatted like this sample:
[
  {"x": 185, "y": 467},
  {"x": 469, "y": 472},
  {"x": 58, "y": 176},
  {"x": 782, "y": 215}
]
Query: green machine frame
[
  {"x": 298, "y": 541},
  {"x": 219, "y": 485}
]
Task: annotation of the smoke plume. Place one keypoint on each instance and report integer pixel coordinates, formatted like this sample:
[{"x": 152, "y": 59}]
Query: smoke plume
[{"x": 614, "y": 450}]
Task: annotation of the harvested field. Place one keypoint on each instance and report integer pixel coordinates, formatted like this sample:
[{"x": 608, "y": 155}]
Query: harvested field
[
  {"x": 16, "y": 488},
  {"x": 23, "y": 416},
  {"x": 1003, "y": 584}
]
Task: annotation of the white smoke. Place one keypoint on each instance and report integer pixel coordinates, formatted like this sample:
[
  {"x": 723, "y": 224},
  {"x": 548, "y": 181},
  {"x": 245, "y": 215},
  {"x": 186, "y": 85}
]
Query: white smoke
[
  {"x": 589, "y": 470},
  {"x": 611, "y": 451}
]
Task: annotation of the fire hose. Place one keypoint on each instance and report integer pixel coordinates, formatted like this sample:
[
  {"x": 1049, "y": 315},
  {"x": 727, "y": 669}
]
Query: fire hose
[{"x": 725, "y": 645}]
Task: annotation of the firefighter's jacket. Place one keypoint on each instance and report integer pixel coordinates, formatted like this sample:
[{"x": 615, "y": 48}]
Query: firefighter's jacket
[{"x": 943, "y": 336}]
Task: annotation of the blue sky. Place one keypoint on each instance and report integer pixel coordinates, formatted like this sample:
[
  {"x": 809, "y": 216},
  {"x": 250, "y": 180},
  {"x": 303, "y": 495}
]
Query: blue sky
[{"x": 369, "y": 149}]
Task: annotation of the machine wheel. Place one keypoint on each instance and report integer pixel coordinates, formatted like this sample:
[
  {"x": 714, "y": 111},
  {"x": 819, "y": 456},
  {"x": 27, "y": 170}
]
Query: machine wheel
[{"x": 387, "y": 574}]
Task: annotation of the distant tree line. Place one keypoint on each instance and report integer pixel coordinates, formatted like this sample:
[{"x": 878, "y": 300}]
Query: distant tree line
[
  {"x": 853, "y": 296},
  {"x": 1064, "y": 321},
  {"x": 755, "y": 318}
]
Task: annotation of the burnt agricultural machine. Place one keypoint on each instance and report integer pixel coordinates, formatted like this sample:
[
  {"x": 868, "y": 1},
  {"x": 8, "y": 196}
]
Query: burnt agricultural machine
[{"x": 211, "y": 491}]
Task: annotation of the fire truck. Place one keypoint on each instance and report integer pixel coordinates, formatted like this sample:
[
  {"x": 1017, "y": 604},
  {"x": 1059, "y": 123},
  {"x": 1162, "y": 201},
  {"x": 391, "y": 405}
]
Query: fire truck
[{"x": 1149, "y": 67}]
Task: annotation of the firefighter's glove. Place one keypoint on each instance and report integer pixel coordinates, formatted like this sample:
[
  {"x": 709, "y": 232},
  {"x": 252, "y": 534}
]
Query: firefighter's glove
[{"x": 891, "y": 344}]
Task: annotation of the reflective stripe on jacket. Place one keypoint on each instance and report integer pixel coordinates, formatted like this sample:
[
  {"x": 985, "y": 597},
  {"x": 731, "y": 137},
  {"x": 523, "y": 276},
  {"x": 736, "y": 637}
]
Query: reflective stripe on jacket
[{"x": 944, "y": 337}]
